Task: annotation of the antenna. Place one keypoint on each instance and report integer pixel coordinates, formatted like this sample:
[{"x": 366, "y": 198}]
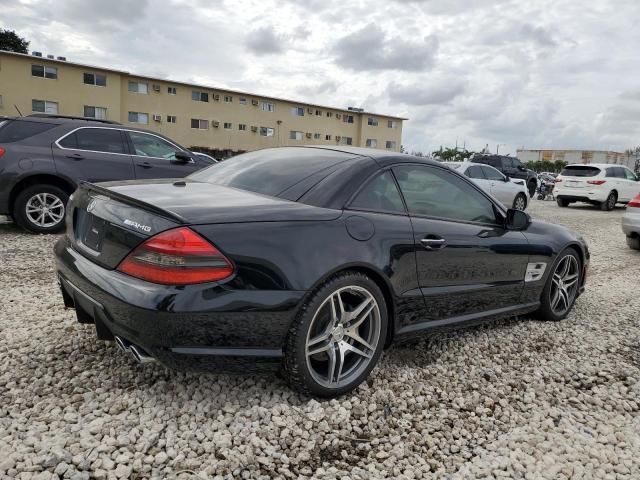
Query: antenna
[{"x": 19, "y": 112}]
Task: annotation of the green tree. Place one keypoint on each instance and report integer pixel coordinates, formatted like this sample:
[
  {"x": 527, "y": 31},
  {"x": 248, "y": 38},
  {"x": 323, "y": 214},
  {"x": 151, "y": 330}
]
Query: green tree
[
  {"x": 449, "y": 154},
  {"x": 12, "y": 42}
]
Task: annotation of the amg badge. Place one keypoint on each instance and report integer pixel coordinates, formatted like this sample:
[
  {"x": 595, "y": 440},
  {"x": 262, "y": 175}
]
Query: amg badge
[{"x": 139, "y": 226}]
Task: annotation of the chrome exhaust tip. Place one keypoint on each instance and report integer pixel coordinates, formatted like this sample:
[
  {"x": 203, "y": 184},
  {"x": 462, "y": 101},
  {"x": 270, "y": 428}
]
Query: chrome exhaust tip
[
  {"x": 137, "y": 354},
  {"x": 122, "y": 346}
]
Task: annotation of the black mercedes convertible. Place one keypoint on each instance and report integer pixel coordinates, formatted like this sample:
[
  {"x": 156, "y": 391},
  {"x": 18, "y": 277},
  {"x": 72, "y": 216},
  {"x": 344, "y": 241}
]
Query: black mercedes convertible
[{"x": 312, "y": 259}]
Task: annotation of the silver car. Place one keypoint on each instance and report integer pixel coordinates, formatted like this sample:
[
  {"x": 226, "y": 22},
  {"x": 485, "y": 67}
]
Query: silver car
[
  {"x": 512, "y": 193},
  {"x": 631, "y": 223}
]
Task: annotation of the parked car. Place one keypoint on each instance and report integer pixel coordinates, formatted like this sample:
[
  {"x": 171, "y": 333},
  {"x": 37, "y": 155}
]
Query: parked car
[
  {"x": 313, "y": 258},
  {"x": 44, "y": 157},
  {"x": 596, "y": 183},
  {"x": 631, "y": 223},
  {"x": 512, "y": 194},
  {"x": 206, "y": 157},
  {"x": 511, "y": 167}
]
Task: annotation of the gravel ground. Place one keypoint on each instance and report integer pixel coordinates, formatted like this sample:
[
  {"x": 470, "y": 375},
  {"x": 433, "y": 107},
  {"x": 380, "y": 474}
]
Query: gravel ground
[{"x": 516, "y": 398}]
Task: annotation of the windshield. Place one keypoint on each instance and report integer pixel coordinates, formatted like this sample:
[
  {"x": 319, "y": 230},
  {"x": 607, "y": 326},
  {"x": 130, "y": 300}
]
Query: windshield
[
  {"x": 580, "y": 171},
  {"x": 270, "y": 171}
]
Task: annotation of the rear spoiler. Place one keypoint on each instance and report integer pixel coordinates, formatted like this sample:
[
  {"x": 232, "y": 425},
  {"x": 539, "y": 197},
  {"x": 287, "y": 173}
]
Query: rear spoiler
[{"x": 132, "y": 201}]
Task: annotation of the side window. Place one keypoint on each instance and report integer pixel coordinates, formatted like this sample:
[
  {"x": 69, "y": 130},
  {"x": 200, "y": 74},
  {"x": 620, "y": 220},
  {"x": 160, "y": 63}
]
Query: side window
[
  {"x": 95, "y": 139},
  {"x": 610, "y": 172},
  {"x": 492, "y": 174},
  {"x": 620, "y": 172},
  {"x": 146, "y": 145},
  {"x": 435, "y": 192},
  {"x": 629, "y": 175},
  {"x": 475, "y": 171},
  {"x": 379, "y": 195}
]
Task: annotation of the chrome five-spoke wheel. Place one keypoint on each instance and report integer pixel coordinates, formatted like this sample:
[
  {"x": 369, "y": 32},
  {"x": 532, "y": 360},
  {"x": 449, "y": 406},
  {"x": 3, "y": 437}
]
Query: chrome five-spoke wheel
[
  {"x": 343, "y": 336},
  {"x": 564, "y": 285},
  {"x": 45, "y": 210}
]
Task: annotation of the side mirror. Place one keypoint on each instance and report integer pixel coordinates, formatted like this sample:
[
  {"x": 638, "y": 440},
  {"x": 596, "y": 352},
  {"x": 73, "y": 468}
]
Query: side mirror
[
  {"x": 183, "y": 157},
  {"x": 517, "y": 220},
  {"x": 506, "y": 178}
]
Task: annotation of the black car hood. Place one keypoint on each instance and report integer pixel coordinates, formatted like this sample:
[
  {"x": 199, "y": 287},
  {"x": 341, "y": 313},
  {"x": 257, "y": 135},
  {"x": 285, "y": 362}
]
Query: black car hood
[{"x": 199, "y": 202}]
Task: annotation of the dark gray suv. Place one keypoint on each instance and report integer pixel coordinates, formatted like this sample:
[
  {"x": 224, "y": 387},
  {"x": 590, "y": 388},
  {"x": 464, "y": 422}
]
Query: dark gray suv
[
  {"x": 511, "y": 167},
  {"x": 43, "y": 157}
]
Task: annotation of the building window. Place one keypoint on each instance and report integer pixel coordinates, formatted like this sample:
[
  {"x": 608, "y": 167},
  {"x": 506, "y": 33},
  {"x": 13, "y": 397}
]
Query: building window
[
  {"x": 227, "y": 125},
  {"x": 99, "y": 113},
  {"x": 317, "y": 136},
  {"x": 94, "y": 79},
  {"x": 347, "y": 118},
  {"x": 138, "y": 117},
  {"x": 268, "y": 107},
  {"x": 242, "y": 126},
  {"x": 199, "y": 124},
  {"x": 44, "y": 72},
  {"x": 329, "y": 114},
  {"x": 299, "y": 111},
  {"x": 372, "y": 142},
  {"x": 318, "y": 113},
  {"x": 327, "y": 137},
  {"x": 44, "y": 106},
  {"x": 172, "y": 90},
  {"x": 295, "y": 135},
  {"x": 372, "y": 121},
  {"x": 198, "y": 96},
  {"x": 392, "y": 124},
  {"x": 171, "y": 119},
  {"x": 228, "y": 99},
  {"x": 390, "y": 144},
  {"x": 138, "y": 87},
  {"x": 268, "y": 131},
  {"x": 242, "y": 101},
  {"x": 347, "y": 140}
]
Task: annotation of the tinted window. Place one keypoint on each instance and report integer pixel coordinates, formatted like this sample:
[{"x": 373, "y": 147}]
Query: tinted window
[
  {"x": 270, "y": 171},
  {"x": 580, "y": 171},
  {"x": 438, "y": 193},
  {"x": 610, "y": 172},
  {"x": 380, "y": 195},
  {"x": 492, "y": 174},
  {"x": 619, "y": 172},
  {"x": 494, "y": 162},
  {"x": 15, "y": 130},
  {"x": 475, "y": 172},
  {"x": 629, "y": 175},
  {"x": 97, "y": 140},
  {"x": 147, "y": 145}
]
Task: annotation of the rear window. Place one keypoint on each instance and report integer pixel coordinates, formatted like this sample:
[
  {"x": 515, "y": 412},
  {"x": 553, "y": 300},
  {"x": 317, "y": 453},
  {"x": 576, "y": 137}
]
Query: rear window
[
  {"x": 580, "y": 171},
  {"x": 16, "y": 130},
  {"x": 271, "y": 171}
]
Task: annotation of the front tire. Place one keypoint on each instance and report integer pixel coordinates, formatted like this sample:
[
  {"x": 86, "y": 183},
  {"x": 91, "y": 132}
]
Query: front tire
[
  {"x": 634, "y": 242},
  {"x": 337, "y": 337},
  {"x": 561, "y": 289},
  {"x": 610, "y": 203},
  {"x": 41, "y": 208},
  {"x": 520, "y": 202}
]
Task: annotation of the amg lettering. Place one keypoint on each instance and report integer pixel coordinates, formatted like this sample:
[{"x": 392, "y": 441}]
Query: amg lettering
[{"x": 139, "y": 226}]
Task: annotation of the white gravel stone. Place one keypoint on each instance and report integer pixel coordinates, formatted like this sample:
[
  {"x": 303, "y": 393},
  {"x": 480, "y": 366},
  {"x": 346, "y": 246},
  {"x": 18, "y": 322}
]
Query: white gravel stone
[{"x": 515, "y": 398}]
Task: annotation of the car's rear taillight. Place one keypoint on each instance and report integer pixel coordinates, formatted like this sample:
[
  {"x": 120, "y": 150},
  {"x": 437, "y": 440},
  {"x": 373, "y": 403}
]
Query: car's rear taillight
[
  {"x": 635, "y": 202},
  {"x": 177, "y": 257},
  {"x": 2, "y": 150},
  {"x": 596, "y": 182}
]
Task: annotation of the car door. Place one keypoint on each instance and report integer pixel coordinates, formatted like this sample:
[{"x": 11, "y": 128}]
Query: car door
[
  {"x": 501, "y": 187},
  {"x": 475, "y": 173},
  {"x": 632, "y": 183},
  {"x": 613, "y": 181},
  {"x": 467, "y": 263},
  {"x": 155, "y": 157},
  {"x": 94, "y": 154}
]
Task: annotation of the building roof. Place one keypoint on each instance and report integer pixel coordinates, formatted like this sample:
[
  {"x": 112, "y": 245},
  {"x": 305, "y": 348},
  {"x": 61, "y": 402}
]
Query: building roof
[
  {"x": 197, "y": 85},
  {"x": 567, "y": 150}
]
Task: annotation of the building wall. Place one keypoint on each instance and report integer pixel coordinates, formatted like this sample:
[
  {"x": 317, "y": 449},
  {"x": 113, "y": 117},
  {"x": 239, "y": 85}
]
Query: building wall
[
  {"x": 577, "y": 156},
  {"x": 19, "y": 87}
]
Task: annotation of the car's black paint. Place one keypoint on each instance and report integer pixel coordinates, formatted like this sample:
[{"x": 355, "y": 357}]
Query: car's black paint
[{"x": 282, "y": 250}]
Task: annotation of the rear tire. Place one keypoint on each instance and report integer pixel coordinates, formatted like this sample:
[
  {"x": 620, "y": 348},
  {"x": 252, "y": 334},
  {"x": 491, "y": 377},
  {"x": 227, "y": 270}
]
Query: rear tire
[
  {"x": 340, "y": 341},
  {"x": 520, "y": 202},
  {"x": 562, "y": 202},
  {"x": 610, "y": 203},
  {"x": 634, "y": 242},
  {"x": 559, "y": 294},
  {"x": 41, "y": 208}
]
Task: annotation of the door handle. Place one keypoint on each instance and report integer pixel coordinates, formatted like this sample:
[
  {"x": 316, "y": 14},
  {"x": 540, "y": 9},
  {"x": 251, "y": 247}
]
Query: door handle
[
  {"x": 75, "y": 156},
  {"x": 144, "y": 165},
  {"x": 433, "y": 243}
]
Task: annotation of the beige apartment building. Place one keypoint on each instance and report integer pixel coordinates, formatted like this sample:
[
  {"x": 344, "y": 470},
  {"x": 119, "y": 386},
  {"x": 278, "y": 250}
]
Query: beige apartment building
[{"x": 193, "y": 115}]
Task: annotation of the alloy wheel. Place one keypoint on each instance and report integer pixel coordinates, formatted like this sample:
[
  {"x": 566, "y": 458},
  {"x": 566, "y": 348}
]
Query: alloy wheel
[
  {"x": 564, "y": 285},
  {"x": 343, "y": 336},
  {"x": 45, "y": 210},
  {"x": 520, "y": 203}
]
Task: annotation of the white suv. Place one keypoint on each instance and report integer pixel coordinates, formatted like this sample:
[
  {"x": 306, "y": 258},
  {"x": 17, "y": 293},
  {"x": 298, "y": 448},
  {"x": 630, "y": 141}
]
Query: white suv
[{"x": 596, "y": 183}]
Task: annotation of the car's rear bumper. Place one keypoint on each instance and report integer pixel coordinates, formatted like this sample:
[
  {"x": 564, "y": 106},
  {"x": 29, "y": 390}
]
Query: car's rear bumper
[
  {"x": 580, "y": 194},
  {"x": 203, "y": 326},
  {"x": 631, "y": 222}
]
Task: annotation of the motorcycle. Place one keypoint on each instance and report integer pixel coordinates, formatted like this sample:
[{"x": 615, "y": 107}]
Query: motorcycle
[{"x": 545, "y": 189}]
